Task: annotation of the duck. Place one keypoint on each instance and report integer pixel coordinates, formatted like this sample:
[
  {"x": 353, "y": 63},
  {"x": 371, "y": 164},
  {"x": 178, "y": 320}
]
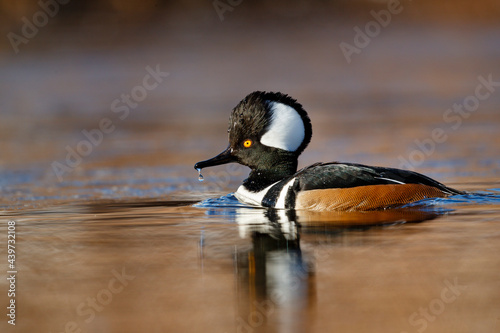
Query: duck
[{"x": 269, "y": 130}]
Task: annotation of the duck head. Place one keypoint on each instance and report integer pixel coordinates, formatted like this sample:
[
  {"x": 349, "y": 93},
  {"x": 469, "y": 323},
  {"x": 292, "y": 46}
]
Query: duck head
[{"x": 267, "y": 132}]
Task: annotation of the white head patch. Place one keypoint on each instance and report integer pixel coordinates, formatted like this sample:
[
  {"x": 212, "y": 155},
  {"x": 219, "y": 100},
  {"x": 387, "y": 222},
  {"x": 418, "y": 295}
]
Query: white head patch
[{"x": 286, "y": 130}]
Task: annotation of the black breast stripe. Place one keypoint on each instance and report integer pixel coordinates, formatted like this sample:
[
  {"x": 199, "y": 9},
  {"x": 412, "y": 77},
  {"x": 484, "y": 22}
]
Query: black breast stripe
[
  {"x": 273, "y": 194},
  {"x": 291, "y": 195}
]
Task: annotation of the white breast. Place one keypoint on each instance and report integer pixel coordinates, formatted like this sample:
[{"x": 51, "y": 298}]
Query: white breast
[
  {"x": 249, "y": 197},
  {"x": 280, "y": 203},
  {"x": 255, "y": 198}
]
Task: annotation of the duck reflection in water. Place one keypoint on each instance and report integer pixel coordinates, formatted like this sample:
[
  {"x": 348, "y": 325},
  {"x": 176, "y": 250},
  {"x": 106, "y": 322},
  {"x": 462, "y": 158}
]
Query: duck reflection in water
[
  {"x": 276, "y": 283},
  {"x": 275, "y": 280}
]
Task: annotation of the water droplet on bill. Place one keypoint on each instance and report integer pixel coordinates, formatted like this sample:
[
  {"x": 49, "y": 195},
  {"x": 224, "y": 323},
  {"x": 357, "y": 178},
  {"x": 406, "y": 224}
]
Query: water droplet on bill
[{"x": 200, "y": 176}]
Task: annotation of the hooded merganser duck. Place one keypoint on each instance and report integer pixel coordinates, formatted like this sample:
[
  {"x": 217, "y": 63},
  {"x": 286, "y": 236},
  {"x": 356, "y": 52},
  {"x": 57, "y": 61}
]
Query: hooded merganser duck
[{"x": 268, "y": 131}]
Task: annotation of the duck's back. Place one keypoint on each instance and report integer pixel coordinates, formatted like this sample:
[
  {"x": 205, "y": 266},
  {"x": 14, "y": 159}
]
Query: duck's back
[{"x": 349, "y": 186}]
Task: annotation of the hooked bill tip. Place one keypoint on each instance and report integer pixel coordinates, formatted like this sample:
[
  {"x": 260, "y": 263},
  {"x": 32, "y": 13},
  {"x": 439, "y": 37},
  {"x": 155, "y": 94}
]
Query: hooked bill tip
[{"x": 199, "y": 165}]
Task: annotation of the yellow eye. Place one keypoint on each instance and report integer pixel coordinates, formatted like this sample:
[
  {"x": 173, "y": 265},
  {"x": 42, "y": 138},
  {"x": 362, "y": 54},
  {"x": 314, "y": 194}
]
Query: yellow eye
[{"x": 247, "y": 143}]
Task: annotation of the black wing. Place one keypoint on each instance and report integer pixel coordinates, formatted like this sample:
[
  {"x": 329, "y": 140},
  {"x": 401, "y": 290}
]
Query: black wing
[{"x": 344, "y": 175}]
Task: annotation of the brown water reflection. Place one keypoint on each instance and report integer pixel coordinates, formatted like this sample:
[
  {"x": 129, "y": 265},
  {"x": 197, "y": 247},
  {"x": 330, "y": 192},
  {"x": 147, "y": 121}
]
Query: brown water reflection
[{"x": 123, "y": 268}]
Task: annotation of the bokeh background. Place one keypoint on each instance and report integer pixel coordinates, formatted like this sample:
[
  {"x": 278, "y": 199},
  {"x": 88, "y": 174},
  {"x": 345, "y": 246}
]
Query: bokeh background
[
  {"x": 125, "y": 206},
  {"x": 63, "y": 77}
]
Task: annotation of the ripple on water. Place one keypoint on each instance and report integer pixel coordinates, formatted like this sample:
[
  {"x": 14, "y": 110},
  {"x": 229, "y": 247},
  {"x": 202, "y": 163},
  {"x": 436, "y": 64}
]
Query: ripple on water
[
  {"x": 226, "y": 201},
  {"x": 490, "y": 197}
]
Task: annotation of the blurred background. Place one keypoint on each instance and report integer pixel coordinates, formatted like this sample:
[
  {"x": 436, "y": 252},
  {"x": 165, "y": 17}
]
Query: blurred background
[
  {"x": 68, "y": 66},
  {"x": 105, "y": 106}
]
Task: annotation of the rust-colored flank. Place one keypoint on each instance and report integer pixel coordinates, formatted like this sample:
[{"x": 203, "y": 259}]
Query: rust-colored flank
[{"x": 368, "y": 197}]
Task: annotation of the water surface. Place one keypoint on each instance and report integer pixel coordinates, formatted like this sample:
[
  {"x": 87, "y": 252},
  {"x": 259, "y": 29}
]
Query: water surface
[{"x": 129, "y": 240}]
